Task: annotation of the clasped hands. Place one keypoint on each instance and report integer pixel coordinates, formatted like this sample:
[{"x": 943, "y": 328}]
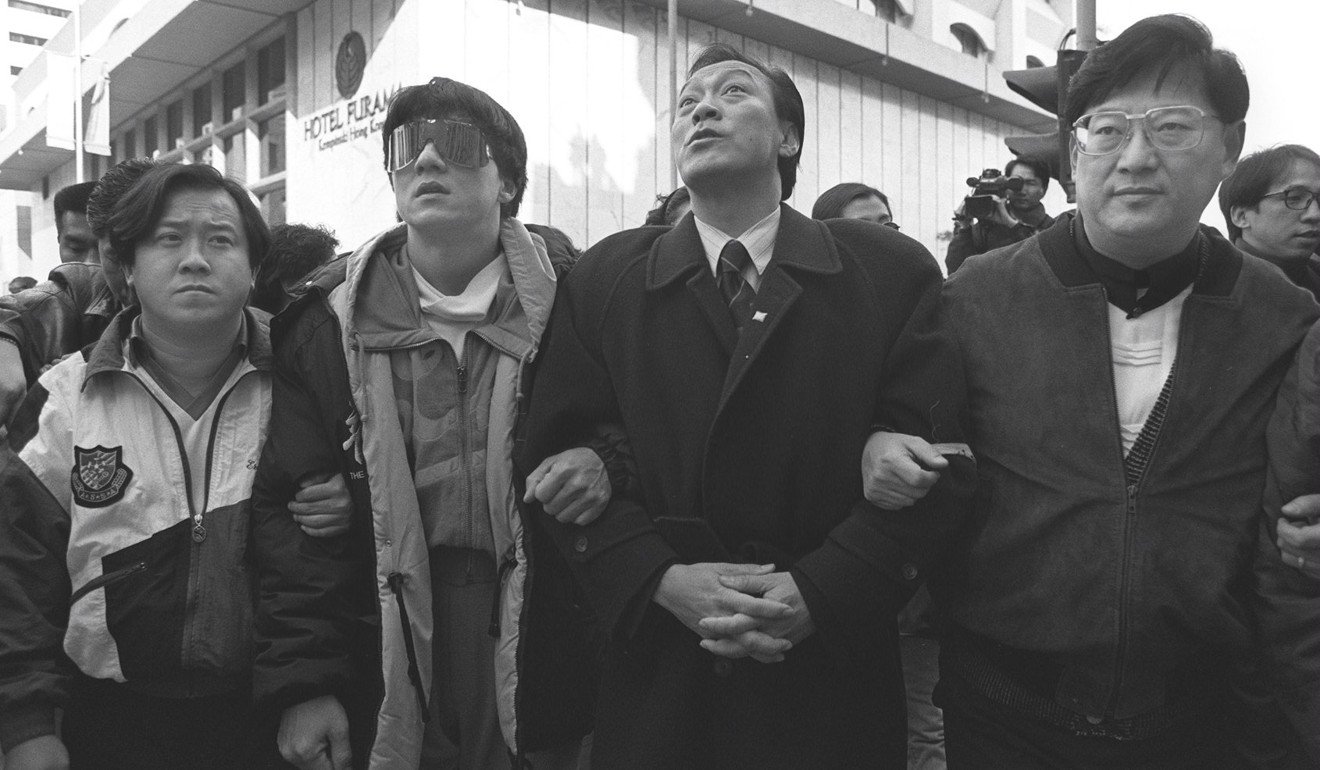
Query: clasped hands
[{"x": 738, "y": 610}]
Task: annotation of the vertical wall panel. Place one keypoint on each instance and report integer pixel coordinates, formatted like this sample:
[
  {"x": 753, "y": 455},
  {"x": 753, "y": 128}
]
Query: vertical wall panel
[
  {"x": 529, "y": 55},
  {"x": 808, "y": 175},
  {"x": 852, "y": 153},
  {"x": 605, "y": 120},
  {"x": 928, "y": 135},
  {"x": 871, "y": 130},
  {"x": 828, "y": 127},
  {"x": 641, "y": 55},
  {"x": 568, "y": 79}
]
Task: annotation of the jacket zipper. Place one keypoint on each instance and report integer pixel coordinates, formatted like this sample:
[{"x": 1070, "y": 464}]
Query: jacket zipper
[
  {"x": 1143, "y": 450},
  {"x": 396, "y": 581},
  {"x": 106, "y": 580},
  {"x": 461, "y": 374}
]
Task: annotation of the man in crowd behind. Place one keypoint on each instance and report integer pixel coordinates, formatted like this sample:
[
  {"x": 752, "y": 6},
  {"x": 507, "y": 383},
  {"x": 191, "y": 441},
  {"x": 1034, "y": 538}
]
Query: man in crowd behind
[
  {"x": 74, "y": 306},
  {"x": 77, "y": 243},
  {"x": 451, "y": 635},
  {"x": 1271, "y": 205},
  {"x": 22, "y": 283},
  {"x": 749, "y": 594},
  {"x": 854, "y": 200},
  {"x": 1014, "y": 217},
  {"x": 1098, "y": 603},
  {"x": 128, "y": 594},
  {"x": 295, "y": 251}
]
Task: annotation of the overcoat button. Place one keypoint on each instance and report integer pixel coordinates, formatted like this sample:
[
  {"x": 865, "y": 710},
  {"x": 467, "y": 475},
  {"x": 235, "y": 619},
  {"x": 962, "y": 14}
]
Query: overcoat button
[{"x": 580, "y": 545}]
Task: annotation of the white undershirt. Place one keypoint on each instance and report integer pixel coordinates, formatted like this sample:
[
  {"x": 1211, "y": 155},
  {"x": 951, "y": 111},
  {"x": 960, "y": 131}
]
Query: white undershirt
[
  {"x": 1142, "y": 350},
  {"x": 759, "y": 240},
  {"x": 453, "y": 316}
]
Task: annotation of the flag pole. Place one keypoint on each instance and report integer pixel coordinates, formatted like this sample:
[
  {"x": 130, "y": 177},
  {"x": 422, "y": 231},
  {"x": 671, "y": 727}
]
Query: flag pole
[{"x": 77, "y": 95}]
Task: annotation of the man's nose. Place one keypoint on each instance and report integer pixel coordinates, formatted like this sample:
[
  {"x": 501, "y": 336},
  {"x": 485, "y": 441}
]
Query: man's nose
[{"x": 1137, "y": 151}]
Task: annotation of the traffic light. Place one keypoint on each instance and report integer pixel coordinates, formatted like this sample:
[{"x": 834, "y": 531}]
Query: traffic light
[{"x": 1047, "y": 88}]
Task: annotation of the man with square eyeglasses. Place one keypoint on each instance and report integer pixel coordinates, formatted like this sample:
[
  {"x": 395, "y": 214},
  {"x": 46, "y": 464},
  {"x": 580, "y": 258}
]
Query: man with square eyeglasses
[
  {"x": 1120, "y": 371},
  {"x": 1271, "y": 206}
]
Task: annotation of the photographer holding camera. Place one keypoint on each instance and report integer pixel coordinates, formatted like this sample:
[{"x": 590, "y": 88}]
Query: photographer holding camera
[{"x": 1000, "y": 210}]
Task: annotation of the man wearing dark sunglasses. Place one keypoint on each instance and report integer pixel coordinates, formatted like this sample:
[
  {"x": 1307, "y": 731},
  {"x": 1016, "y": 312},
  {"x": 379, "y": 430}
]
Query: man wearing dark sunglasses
[
  {"x": 1272, "y": 211},
  {"x": 415, "y": 598},
  {"x": 1120, "y": 370}
]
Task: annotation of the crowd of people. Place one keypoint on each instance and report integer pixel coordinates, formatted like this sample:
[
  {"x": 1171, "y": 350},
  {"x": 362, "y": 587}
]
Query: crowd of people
[{"x": 464, "y": 497}]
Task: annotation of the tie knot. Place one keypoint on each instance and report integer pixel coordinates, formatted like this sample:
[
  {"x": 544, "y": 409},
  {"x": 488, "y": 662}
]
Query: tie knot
[{"x": 734, "y": 257}]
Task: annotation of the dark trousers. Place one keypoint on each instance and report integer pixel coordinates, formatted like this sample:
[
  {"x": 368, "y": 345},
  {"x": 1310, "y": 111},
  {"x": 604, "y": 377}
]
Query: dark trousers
[
  {"x": 984, "y": 735},
  {"x": 109, "y": 726}
]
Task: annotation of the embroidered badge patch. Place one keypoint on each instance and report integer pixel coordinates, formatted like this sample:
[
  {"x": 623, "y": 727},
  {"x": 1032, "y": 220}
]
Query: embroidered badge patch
[{"x": 100, "y": 476}]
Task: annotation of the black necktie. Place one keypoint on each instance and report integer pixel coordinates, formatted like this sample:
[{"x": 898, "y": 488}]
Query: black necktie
[{"x": 734, "y": 259}]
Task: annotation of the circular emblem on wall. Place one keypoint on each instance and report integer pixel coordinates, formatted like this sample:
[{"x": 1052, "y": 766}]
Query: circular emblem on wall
[{"x": 349, "y": 63}]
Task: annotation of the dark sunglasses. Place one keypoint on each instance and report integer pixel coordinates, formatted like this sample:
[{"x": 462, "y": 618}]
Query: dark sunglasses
[{"x": 461, "y": 144}]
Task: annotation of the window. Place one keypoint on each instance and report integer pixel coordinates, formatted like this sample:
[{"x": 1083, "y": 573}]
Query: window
[
  {"x": 887, "y": 10},
  {"x": 149, "y": 145},
  {"x": 234, "y": 95},
  {"x": 201, "y": 107},
  {"x": 271, "y": 135},
  {"x": 19, "y": 37},
  {"x": 23, "y": 223},
  {"x": 968, "y": 39},
  {"x": 173, "y": 125},
  {"x": 15, "y": 70},
  {"x": 24, "y": 5},
  {"x": 270, "y": 70}
]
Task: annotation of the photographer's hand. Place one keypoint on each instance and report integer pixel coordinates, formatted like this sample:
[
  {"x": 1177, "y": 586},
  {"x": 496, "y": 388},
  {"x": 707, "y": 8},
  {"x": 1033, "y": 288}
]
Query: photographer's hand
[{"x": 1002, "y": 215}]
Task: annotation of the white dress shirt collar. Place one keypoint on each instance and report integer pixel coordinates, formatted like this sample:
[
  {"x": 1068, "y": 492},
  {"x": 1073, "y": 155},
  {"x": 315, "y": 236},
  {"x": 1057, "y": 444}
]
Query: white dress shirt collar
[{"x": 759, "y": 240}]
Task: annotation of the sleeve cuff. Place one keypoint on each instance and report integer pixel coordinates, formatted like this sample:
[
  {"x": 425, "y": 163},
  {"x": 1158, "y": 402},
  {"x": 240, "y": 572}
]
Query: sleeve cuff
[{"x": 24, "y": 724}]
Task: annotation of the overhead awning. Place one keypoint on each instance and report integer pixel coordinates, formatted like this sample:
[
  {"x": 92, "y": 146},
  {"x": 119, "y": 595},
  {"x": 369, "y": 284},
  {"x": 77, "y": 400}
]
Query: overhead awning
[{"x": 149, "y": 52}]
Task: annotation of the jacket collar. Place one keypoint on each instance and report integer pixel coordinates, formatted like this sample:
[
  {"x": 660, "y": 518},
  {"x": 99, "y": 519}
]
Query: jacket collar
[
  {"x": 1216, "y": 279},
  {"x": 107, "y": 354},
  {"x": 801, "y": 243},
  {"x": 385, "y": 312}
]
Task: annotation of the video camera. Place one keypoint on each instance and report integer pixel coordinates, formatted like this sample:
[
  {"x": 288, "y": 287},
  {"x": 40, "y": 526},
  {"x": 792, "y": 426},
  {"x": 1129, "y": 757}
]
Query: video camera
[{"x": 987, "y": 190}]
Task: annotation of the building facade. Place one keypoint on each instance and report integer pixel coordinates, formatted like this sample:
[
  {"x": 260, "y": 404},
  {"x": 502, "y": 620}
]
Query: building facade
[{"x": 289, "y": 96}]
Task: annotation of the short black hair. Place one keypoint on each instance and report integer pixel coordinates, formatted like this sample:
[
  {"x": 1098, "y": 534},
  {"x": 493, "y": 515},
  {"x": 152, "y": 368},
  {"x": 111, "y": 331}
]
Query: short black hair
[
  {"x": 788, "y": 102},
  {"x": 1161, "y": 44},
  {"x": 667, "y": 205},
  {"x": 294, "y": 251},
  {"x": 71, "y": 199},
  {"x": 443, "y": 96},
  {"x": 110, "y": 188},
  {"x": 1250, "y": 182},
  {"x": 22, "y": 283},
  {"x": 138, "y": 212},
  {"x": 830, "y": 204},
  {"x": 1038, "y": 167}
]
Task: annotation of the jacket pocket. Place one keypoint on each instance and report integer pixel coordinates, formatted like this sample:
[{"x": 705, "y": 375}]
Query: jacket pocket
[{"x": 145, "y": 615}]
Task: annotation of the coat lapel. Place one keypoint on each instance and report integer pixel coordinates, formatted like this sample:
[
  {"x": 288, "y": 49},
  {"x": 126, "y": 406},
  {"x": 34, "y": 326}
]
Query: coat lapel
[
  {"x": 679, "y": 253},
  {"x": 801, "y": 245}
]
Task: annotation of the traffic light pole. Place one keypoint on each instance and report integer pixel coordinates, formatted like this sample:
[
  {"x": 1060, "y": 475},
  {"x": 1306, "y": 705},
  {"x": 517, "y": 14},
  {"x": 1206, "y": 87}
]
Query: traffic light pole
[{"x": 1086, "y": 39}]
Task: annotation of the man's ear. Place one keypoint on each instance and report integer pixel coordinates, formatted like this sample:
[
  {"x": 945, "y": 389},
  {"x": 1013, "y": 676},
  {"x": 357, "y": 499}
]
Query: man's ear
[
  {"x": 128, "y": 273},
  {"x": 789, "y": 142},
  {"x": 1235, "y": 136},
  {"x": 507, "y": 190},
  {"x": 1072, "y": 155},
  {"x": 1238, "y": 216}
]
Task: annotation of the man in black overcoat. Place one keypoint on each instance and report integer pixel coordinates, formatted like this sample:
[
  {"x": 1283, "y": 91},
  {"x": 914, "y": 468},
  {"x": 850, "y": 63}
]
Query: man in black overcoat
[{"x": 750, "y": 592}]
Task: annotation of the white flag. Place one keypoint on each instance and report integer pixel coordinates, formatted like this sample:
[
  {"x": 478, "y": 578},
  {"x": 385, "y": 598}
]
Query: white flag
[
  {"x": 97, "y": 137},
  {"x": 59, "y": 100}
]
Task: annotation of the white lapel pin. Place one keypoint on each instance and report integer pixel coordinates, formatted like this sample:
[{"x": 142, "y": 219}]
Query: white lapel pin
[{"x": 758, "y": 315}]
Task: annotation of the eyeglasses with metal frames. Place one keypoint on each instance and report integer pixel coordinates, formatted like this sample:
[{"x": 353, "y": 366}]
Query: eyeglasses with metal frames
[{"x": 1179, "y": 127}]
